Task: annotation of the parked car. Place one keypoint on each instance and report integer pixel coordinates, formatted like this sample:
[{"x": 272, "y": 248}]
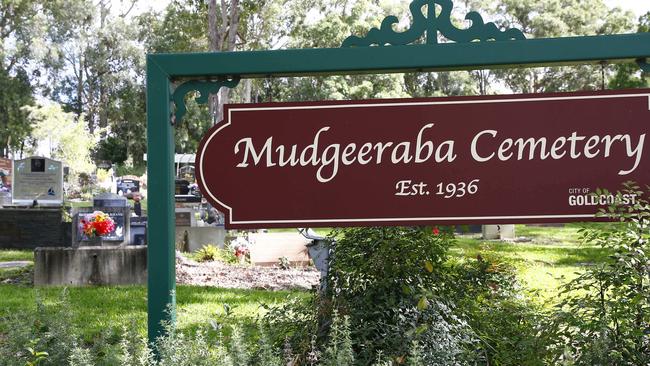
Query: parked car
[{"x": 127, "y": 185}]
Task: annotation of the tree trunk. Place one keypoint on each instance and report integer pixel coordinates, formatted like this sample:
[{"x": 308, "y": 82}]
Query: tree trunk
[
  {"x": 103, "y": 95},
  {"x": 248, "y": 86},
  {"x": 214, "y": 42},
  {"x": 80, "y": 87},
  {"x": 222, "y": 29}
]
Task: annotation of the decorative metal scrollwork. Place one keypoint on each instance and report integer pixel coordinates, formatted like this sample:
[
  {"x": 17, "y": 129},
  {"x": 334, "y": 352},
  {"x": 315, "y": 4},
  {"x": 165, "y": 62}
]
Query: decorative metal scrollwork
[
  {"x": 204, "y": 87},
  {"x": 430, "y": 25}
]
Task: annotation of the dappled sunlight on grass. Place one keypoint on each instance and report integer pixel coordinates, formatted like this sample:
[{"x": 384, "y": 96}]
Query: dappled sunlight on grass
[
  {"x": 548, "y": 258},
  {"x": 100, "y": 308},
  {"x": 197, "y": 305}
]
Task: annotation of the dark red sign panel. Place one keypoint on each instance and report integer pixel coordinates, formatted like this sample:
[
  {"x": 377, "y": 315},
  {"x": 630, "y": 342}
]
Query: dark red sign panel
[{"x": 502, "y": 159}]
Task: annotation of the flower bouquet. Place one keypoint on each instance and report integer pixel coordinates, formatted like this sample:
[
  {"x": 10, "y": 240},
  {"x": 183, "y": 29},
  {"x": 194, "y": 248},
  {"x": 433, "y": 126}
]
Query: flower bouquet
[
  {"x": 97, "y": 224},
  {"x": 242, "y": 251}
]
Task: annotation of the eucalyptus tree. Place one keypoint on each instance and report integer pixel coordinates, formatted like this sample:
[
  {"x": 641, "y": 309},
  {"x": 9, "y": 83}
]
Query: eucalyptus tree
[
  {"x": 555, "y": 18},
  {"x": 14, "y": 125},
  {"x": 326, "y": 24},
  {"x": 98, "y": 61},
  {"x": 30, "y": 35},
  {"x": 202, "y": 26},
  {"x": 629, "y": 75}
]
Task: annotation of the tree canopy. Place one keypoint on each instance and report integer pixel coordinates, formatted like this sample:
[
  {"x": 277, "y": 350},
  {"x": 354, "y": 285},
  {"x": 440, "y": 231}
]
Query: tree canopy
[{"x": 88, "y": 56}]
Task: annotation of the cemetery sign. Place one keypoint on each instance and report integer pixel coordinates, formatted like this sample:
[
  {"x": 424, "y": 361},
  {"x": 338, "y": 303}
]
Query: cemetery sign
[{"x": 499, "y": 159}]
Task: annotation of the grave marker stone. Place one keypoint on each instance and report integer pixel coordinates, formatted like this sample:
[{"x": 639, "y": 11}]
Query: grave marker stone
[
  {"x": 37, "y": 179},
  {"x": 117, "y": 208}
]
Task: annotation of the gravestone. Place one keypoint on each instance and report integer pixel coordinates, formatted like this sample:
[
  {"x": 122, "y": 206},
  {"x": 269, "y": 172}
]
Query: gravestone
[
  {"x": 193, "y": 233},
  {"x": 37, "y": 180},
  {"x": 185, "y": 216},
  {"x": 183, "y": 192},
  {"x": 138, "y": 231},
  {"x": 117, "y": 208},
  {"x": 5, "y": 173},
  {"x": 499, "y": 232},
  {"x": 5, "y": 182},
  {"x": 28, "y": 228}
]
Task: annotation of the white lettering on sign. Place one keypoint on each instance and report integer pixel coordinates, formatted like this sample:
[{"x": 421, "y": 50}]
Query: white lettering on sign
[
  {"x": 541, "y": 148},
  {"x": 329, "y": 158}
]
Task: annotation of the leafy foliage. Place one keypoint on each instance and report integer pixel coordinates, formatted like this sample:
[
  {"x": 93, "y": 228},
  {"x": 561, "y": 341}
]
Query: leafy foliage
[
  {"x": 387, "y": 280},
  {"x": 67, "y": 136},
  {"x": 629, "y": 75},
  {"x": 604, "y": 313},
  {"x": 15, "y": 127},
  {"x": 508, "y": 324}
]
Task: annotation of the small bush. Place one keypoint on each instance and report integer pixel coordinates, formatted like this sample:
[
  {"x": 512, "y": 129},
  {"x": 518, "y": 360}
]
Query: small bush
[
  {"x": 295, "y": 323},
  {"x": 387, "y": 281},
  {"x": 603, "y": 317},
  {"x": 207, "y": 253},
  {"x": 210, "y": 252},
  {"x": 507, "y": 324},
  {"x": 283, "y": 262}
]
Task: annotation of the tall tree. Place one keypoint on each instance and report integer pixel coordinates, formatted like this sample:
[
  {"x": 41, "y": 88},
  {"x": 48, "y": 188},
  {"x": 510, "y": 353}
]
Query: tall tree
[
  {"x": 14, "y": 124},
  {"x": 101, "y": 59},
  {"x": 30, "y": 35},
  {"x": 65, "y": 134},
  {"x": 555, "y": 18},
  {"x": 629, "y": 75},
  {"x": 223, "y": 25},
  {"x": 205, "y": 25}
]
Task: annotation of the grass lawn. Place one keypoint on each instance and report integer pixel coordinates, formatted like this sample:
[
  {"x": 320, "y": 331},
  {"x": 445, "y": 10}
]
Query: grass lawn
[
  {"x": 10, "y": 255},
  {"x": 97, "y": 308},
  {"x": 551, "y": 253}
]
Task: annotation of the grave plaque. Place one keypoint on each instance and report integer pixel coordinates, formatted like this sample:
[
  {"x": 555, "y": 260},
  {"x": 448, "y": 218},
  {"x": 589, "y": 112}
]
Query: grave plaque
[
  {"x": 114, "y": 206},
  {"x": 5, "y": 168},
  {"x": 5, "y": 182},
  {"x": 37, "y": 179},
  {"x": 185, "y": 217}
]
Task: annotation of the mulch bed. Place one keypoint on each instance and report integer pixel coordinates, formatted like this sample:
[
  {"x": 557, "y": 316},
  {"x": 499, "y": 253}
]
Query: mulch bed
[{"x": 219, "y": 274}]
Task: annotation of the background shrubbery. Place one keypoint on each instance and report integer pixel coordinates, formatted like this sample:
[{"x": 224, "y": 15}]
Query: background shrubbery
[{"x": 394, "y": 297}]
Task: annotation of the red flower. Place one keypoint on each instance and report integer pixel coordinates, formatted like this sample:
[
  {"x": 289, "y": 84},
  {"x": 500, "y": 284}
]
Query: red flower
[
  {"x": 436, "y": 231},
  {"x": 97, "y": 224}
]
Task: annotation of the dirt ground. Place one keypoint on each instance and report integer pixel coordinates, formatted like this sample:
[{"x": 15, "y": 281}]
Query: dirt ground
[{"x": 189, "y": 272}]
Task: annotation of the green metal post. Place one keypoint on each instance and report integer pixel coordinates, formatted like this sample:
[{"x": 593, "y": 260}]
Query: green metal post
[{"x": 160, "y": 182}]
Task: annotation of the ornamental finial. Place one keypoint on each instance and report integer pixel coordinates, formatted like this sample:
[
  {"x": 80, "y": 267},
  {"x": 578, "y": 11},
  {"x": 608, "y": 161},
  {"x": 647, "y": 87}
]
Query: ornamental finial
[{"x": 430, "y": 25}]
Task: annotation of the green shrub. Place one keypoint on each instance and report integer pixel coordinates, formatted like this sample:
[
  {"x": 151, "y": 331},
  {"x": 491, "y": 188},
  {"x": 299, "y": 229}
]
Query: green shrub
[
  {"x": 603, "y": 317},
  {"x": 387, "y": 281},
  {"x": 507, "y": 323},
  {"x": 339, "y": 347},
  {"x": 207, "y": 253},
  {"x": 45, "y": 330},
  {"x": 210, "y": 252},
  {"x": 124, "y": 169},
  {"x": 267, "y": 354},
  {"x": 294, "y": 324}
]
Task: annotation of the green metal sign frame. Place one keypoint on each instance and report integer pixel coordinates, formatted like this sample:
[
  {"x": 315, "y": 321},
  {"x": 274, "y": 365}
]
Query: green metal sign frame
[{"x": 171, "y": 76}]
